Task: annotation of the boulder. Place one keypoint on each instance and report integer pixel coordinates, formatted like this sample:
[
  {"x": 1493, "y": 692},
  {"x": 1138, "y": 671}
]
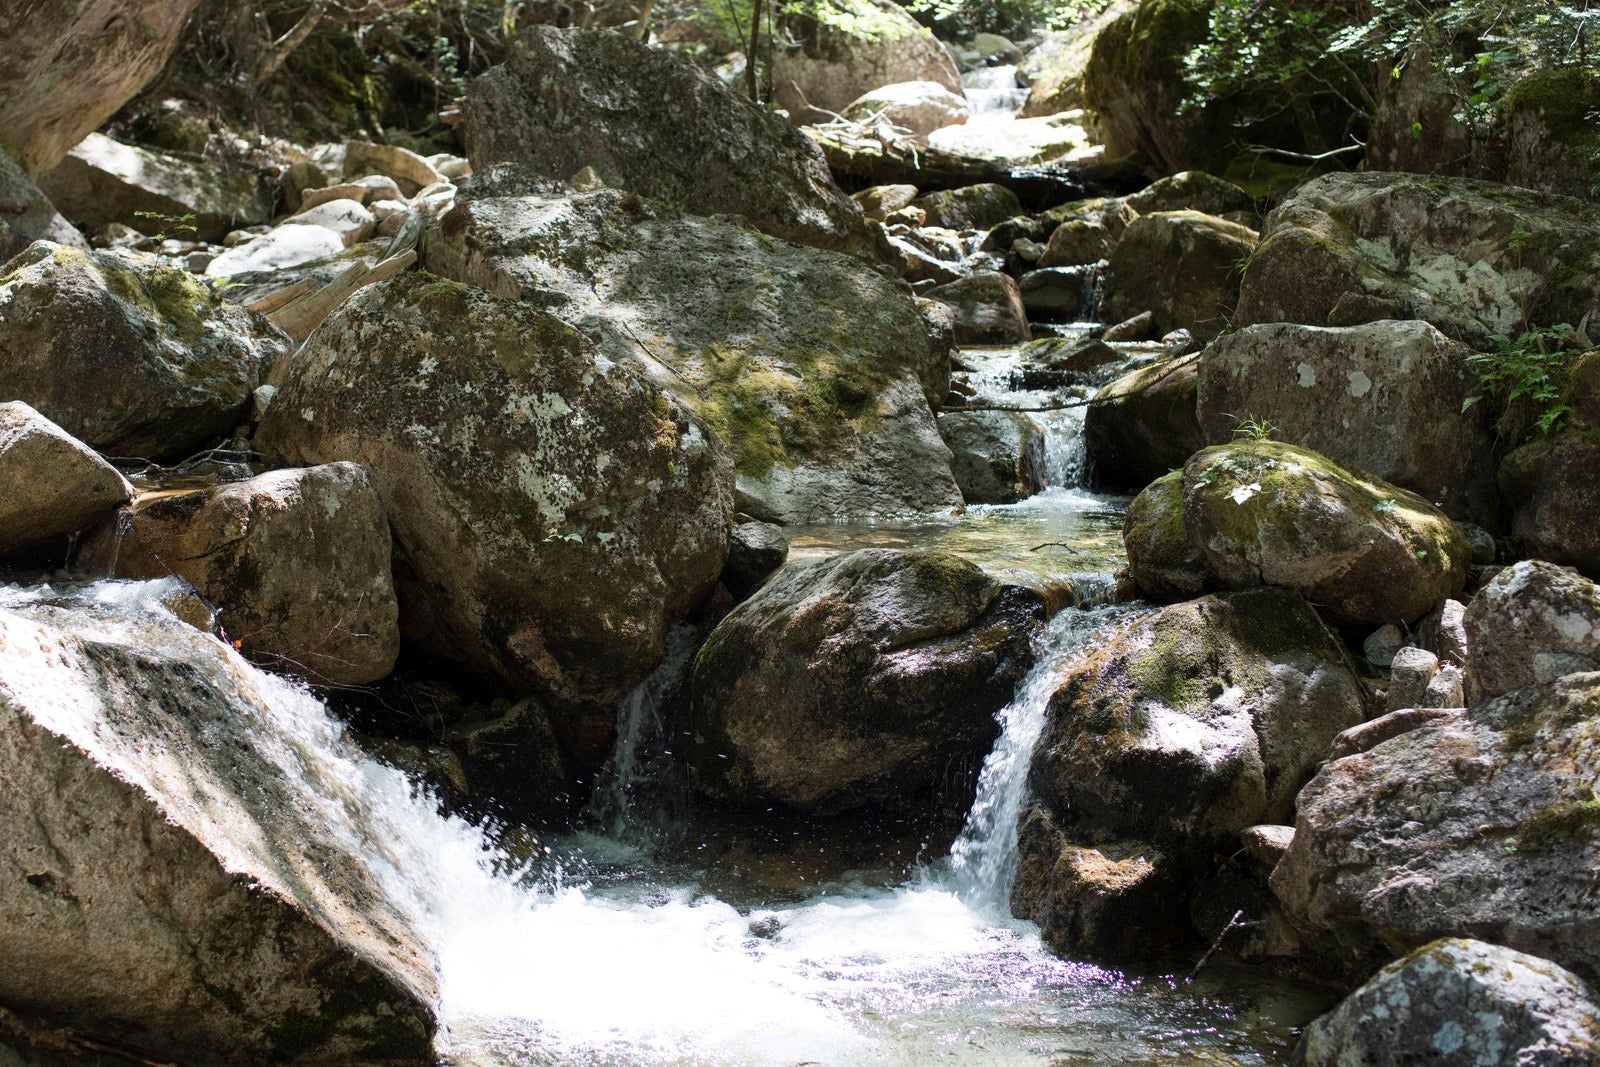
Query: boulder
[
  {"x": 1550, "y": 487},
  {"x": 832, "y": 57},
  {"x": 65, "y": 68},
  {"x": 1059, "y": 362},
  {"x": 1064, "y": 294},
  {"x": 999, "y": 455},
  {"x": 279, "y": 249},
  {"x": 1192, "y": 190},
  {"x": 1477, "y": 824},
  {"x": 26, "y": 214},
  {"x": 1551, "y": 142},
  {"x": 1143, "y": 424},
  {"x": 867, "y": 679},
  {"x": 1195, "y": 723},
  {"x": 410, "y": 171},
  {"x": 102, "y": 181},
  {"x": 170, "y": 882},
  {"x": 345, "y": 217},
  {"x": 881, "y": 201},
  {"x": 1162, "y": 559},
  {"x": 1076, "y": 242},
  {"x": 1459, "y": 1001},
  {"x": 1182, "y": 266},
  {"x": 553, "y": 512},
  {"x": 816, "y": 370},
  {"x": 295, "y": 561},
  {"x": 1384, "y": 396},
  {"x": 755, "y": 551},
  {"x": 1531, "y": 624},
  {"x": 917, "y": 107},
  {"x": 1362, "y": 550},
  {"x": 972, "y": 207},
  {"x": 130, "y": 356},
  {"x": 651, "y": 122},
  {"x": 1054, "y": 68},
  {"x": 1475, "y": 259},
  {"x": 988, "y": 308},
  {"x": 1410, "y": 673},
  {"x": 51, "y": 484}
]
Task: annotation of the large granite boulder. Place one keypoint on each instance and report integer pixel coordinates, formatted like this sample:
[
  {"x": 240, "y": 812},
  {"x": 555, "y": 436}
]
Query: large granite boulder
[
  {"x": 1475, "y": 259},
  {"x": 1143, "y": 425},
  {"x": 553, "y": 512},
  {"x": 171, "y": 883},
  {"x": 26, "y": 214},
  {"x": 65, "y": 68},
  {"x": 130, "y": 356},
  {"x": 1197, "y": 722},
  {"x": 998, "y": 455},
  {"x": 837, "y": 53},
  {"x": 1532, "y": 623},
  {"x": 817, "y": 371},
  {"x": 51, "y": 485},
  {"x": 649, "y": 121},
  {"x": 1384, "y": 396},
  {"x": 1460, "y": 1001},
  {"x": 295, "y": 561},
  {"x": 103, "y": 181},
  {"x": 1182, "y": 266},
  {"x": 1479, "y": 824},
  {"x": 1549, "y": 482},
  {"x": 1263, "y": 513},
  {"x": 868, "y": 679}
]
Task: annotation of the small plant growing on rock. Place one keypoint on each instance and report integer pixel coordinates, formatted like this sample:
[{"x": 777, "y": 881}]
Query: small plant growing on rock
[
  {"x": 1250, "y": 428},
  {"x": 1525, "y": 380}
]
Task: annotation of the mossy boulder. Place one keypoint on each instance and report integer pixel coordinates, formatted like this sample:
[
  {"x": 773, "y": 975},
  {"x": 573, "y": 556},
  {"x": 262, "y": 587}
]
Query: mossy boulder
[
  {"x": 971, "y": 207},
  {"x": 1386, "y": 396},
  {"x": 818, "y": 372},
  {"x": 868, "y": 680},
  {"x": 1198, "y": 721},
  {"x": 837, "y": 51},
  {"x": 1182, "y": 266},
  {"x": 649, "y": 121},
  {"x": 1476, "y": 259},
  {"x": 1263, "y": 513},
  {"x": 1143, "y": 424},
  {"x": 554, "y": 513},
  {"x": 1459, "y": 999},
  {"x": 1483, "y": 824},
  {"x": 1169, "y": 566},
  {"x": 127, "y": 354},
  {"x": 998, "y": 456},
  {"x": 1552, "y": 143},
  {"x": 295, "y": 561},
  {"x": 1192, "y": 190}
]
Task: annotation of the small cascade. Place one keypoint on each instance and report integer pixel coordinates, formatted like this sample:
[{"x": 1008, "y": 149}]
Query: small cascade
[
  {"x": 640, "y": 761},
  {"x": 983, "y": 860},
  {"x": 993, "y": 91},
  {"x": 124, "y": 524},
  {"x": 1094, "y": 285}
]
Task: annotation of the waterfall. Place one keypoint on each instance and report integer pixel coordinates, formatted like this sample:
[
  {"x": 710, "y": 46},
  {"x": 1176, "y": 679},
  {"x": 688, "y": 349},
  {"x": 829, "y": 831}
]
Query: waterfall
[
  {"x": 993, "y": 91},
  {"x": 983, "y": 860}
]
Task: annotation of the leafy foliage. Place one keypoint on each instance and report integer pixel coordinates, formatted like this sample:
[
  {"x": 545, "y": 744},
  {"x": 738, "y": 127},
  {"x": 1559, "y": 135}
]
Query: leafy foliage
[
  {"x": 1016, "y": 18},
  {"x": 1525, "y": 380}
]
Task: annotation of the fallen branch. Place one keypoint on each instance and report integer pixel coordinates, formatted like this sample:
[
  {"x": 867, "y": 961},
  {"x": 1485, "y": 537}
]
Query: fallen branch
[
  {"x": 300, "y": 316},
  {"x": 1217, "y": 944}
]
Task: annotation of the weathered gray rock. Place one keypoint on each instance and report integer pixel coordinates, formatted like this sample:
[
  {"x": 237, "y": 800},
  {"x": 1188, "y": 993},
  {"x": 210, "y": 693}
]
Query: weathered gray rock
[
  {"x": 1383, "y": 644},
  {"x": 998, "y": 455},
  {"x": 1551, "y": 142},
  {"x": 1162, "y": 560},
  {"x": 988, "y": 308},
  {"x": 1459, "y": 1001},
  {"x": 281, "y": 249},
  {"x": 1160, "y": 749},
  {"x": 881, "y": 201},
  {"x": 1183, "y": 266},
  {"x": 102, "y": 181},
  {"x": 1443, "y": 632},
  {"x": 1191, "y": 190},
  {"x": 1550, "y": 485},
  {"x": 1411, "y": 672},
  {"x": 1469, "y": 257},
  {"x": 972, "y": 207},
  {"x": 26, "y": 214},
  {"x": 1263, "y": 513},
  {"x": 1076, "y": 242},
  {"x": 649, "y": 121},
  {"x": 1447, "y": 689},
  {"x": 65, "y": 68},
  {"x": 827, "y": 63},
  {"x": 295, "y": 561},
  {"x": 411, "y": 172},
  {"x": 816, "y": 370},
  {"x": 918, "y": 107},
  {"x": 167, "y": 885},
  {"x": 1532, "y": 623},
  {"x": 1144, "y": 424},
  {"x": 131, "y": 357},
  {"x": 51, "y": 484},
  {"x": 553, "y": 512},
  {"x": 1384, "y": 396},
  {"x": 870, "y": 678},
  {"x": 755, "y": 551},
  {"x": 1480, "y": 823},
  {"x": 345, "y": 217}
]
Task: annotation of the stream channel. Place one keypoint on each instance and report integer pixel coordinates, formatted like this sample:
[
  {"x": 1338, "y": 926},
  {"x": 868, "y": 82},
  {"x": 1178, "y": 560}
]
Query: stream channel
[{"x": 654, "y": 937}]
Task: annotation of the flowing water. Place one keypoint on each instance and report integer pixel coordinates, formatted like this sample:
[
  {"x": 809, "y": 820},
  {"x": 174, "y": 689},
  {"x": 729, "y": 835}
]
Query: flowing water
[{"x": 687, "y": 944}]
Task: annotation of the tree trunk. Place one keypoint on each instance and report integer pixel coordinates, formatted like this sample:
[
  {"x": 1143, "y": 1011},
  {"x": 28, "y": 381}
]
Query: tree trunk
[{"x": 284, "y": 46}]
